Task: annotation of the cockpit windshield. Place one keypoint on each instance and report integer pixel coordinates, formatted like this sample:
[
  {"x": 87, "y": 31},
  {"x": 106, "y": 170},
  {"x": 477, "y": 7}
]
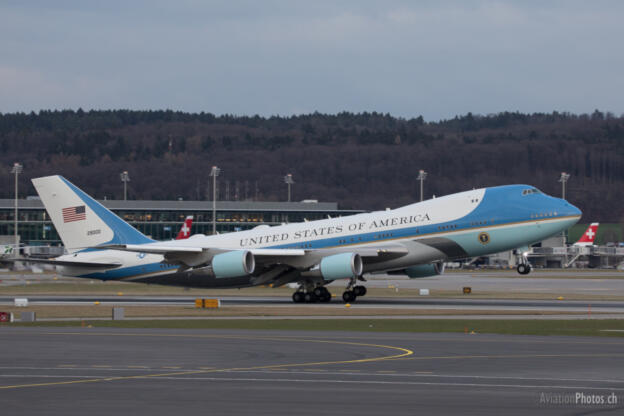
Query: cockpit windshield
[{"x": 531, "y": 191}]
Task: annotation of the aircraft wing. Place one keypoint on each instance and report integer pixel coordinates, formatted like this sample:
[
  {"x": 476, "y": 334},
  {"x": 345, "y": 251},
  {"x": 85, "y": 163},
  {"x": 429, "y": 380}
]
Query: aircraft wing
[
  {"x": 54, "y": 262},
  {"x": 152, "y": 248},
  {"x": 193, "y": 256},
  {"x": 164, "y": 250}
]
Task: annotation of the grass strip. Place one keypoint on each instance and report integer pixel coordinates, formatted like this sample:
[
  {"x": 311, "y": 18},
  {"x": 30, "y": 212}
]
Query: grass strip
[
  {"x": 587, "y": 327},
  {"x": 136, "y": 289}
]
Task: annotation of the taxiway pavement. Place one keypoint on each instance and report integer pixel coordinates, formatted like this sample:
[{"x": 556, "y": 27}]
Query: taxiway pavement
[{"x": 97, "y": 371}]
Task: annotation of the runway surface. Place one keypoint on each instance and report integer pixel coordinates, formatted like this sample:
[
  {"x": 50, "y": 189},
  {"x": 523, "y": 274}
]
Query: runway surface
[
  {"x": 579, "y": 282},
  {"x": 602, "y": 282},
  {"x": 161, "y": 372}
]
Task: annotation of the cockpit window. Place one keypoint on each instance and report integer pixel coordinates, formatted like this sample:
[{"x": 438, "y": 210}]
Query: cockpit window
[{"x": 531, "y": 191}]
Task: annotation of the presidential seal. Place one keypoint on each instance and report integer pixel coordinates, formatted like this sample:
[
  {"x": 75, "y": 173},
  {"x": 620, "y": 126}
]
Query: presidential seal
[{"x": 484, "y": 238}]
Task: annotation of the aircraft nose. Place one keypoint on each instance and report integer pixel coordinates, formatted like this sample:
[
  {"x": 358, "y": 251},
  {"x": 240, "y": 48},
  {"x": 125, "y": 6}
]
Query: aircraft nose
[{"x": 570, "y": 210}]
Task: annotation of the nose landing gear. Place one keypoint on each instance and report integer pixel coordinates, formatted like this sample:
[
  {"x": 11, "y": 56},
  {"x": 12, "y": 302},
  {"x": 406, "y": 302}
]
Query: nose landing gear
[{"x": 524, "y": 268}]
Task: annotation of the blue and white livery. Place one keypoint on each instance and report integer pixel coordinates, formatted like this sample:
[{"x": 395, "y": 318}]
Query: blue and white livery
[{"x": 414, "y": 240}]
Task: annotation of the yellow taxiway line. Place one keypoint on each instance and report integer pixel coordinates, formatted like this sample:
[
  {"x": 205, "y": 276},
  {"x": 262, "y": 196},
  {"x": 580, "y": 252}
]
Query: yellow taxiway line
[
  {"x": 468, "y": 357},
  {"x": 400, "y": 353}
]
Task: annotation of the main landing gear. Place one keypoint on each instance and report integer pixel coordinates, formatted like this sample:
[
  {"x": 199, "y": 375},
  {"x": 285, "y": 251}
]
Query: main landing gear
[
  {"x": 351, "y": 294},
  {"x": 319, "y": 294},
  {"x": 307, "y": 293}
]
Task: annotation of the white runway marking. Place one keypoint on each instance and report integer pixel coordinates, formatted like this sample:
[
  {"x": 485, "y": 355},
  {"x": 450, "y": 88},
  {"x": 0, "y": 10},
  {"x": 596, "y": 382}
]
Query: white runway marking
[
  {"x": 44, "y": 376},
  {"x": 354, "y": 373},
  {"x": 426, "y": 375},
  {"x": 382, "y": 382}
]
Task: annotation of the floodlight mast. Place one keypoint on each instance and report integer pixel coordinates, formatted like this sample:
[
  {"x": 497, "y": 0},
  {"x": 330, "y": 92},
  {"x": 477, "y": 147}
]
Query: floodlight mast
[
  {"x": 288, "y": 179},
  {"x": 563, "y": 179},
  {"x": 214, "y": 172},
  {"x": 16, "y": 169},
  {"x": 422, "y": 175},
  {"x": 125, "y": 178}
]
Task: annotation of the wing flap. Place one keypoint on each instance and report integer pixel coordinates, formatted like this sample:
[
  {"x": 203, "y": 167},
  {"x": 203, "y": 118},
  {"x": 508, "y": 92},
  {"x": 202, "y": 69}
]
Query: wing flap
[
  {"x": 277, "y": 252},
  {"x": 373, "y": 251},
  {"x": 194, "y": 256}
]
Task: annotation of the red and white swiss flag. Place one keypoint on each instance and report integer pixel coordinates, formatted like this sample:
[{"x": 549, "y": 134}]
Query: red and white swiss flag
[
  {"x": 185, "y": 231},
  {"x": 589, "y": 235}
]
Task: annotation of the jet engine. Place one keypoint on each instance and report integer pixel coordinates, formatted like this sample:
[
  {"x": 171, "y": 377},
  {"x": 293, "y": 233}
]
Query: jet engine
[
  {"x": 233, "y": 264},
  {"x": 341, "y": 266}
]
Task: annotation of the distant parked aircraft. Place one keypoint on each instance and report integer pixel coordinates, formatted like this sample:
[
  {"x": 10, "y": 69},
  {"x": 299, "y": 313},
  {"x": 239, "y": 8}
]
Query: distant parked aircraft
[
  {"x": 185, "y": 231},
  {"x": 588, "y": 237}
]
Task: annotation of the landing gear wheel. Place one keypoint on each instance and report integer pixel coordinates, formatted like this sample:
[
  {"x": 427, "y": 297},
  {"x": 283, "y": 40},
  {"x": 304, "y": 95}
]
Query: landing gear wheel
[
  {"x": 524, "y": 268},
  {"x": 297, "y": 297},
  {"x": 359, "y": 290},
  {"x": 348, "y": 296},
  {"x": 323, "y": 294},
  {"x": 310, "y": 297}
]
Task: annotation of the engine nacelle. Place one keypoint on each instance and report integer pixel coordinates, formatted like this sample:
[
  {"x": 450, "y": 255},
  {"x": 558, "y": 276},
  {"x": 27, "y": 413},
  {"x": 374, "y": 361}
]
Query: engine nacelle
[
  {"x": 233, "y": 264},
  {"x": 341, "y": 266},
  {"x": 424, "y": 270}
]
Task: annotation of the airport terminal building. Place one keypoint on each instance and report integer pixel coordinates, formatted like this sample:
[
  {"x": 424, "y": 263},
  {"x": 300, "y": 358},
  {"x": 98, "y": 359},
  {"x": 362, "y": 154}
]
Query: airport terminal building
[{"x": 162, "y": 219}]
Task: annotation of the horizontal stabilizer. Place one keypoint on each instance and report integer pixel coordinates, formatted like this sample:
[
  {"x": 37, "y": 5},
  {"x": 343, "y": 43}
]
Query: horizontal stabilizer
[{"x": 53, "y": 262}]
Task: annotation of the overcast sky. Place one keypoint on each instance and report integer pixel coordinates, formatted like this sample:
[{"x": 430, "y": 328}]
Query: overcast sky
[{"x": 264, "y": 57}]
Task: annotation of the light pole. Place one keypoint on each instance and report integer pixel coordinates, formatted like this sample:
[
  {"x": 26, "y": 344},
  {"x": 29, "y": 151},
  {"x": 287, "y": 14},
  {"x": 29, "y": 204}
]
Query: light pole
[
  {"x": 17, "y": 169},
  {"x": 563, "y": 179},
  {"x": 125, "y": 178},
  {"x": 289, "y": 181},
  {"x": 214, "y": 172},
  {"x": 422, "y": 175}
]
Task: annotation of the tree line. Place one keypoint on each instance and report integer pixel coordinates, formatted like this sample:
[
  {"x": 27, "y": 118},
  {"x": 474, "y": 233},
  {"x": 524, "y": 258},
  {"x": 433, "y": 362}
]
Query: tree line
[{"x": 361, "y": 160}]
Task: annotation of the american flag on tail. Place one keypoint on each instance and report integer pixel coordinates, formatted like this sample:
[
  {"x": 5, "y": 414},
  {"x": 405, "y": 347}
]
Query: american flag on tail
[{"x": 71, "y": 214}]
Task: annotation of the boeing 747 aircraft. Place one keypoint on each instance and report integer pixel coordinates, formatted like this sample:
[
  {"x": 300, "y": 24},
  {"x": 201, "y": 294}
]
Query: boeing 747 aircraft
[{"x": 414, "y": 240}]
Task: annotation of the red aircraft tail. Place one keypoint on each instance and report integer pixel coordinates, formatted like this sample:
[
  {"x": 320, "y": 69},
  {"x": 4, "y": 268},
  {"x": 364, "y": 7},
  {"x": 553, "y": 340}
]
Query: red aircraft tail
[
  {"x": 588, "y": 237},
  {"x": 185, "y": 231}
]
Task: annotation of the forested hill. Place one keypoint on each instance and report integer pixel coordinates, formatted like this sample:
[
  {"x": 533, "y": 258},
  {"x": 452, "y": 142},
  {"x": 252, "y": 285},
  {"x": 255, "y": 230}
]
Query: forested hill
[{"x": 365, "y": 161}]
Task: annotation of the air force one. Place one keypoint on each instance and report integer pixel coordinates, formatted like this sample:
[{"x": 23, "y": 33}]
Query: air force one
[{"x": 414, "y": 240}]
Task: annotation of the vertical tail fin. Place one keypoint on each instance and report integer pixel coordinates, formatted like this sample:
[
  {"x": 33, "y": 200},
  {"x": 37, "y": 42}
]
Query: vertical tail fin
[
  {"x": 185, "y": 231},
  {"x": 589, "y": 236},
  {"x": 80, "y": 220}
]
